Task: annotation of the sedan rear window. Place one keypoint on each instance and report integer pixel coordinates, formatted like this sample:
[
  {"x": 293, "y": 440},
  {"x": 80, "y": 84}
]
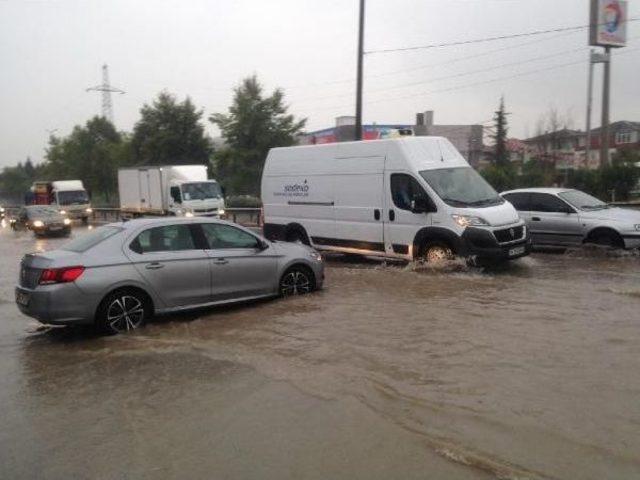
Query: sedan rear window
[{"x": 91, "y": 239}]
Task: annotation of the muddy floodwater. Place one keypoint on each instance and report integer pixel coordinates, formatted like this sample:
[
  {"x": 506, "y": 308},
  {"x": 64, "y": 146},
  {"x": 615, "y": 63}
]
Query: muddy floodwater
[{"x": 390, "y": 372}]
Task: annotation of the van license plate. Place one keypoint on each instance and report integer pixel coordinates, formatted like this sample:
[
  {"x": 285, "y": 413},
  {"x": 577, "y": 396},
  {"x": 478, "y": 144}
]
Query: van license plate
[
  {"x": 514, "y": 252},
  {"x": 22, "y": 298}
]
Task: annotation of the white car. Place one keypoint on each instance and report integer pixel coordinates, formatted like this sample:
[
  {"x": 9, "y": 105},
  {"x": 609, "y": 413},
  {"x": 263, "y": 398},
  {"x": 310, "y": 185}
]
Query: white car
[
  {"x": 404, "y": 198},
  {"x": 565, "y": 217}
]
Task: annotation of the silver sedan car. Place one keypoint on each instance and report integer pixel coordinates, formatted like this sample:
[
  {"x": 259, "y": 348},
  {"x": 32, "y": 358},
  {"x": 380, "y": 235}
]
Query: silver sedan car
[
  {"x": 564, "y": 217},
  {"x": 119, "y": 275}
]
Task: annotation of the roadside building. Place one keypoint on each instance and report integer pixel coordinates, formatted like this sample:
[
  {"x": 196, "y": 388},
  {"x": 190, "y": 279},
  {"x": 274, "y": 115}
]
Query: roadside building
[{"x": 466, "y": 138}]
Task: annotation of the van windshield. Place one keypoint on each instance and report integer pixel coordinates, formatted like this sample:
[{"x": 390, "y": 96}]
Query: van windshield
[
  {"x": 74, "y": 197},
  {"x": 201, "y": 191},
  {"x": 461, "y": 187}
]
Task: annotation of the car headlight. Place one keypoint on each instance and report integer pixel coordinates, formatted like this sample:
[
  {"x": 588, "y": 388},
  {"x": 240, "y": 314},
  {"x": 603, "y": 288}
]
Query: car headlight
[
  {"x": 63, "y": 212},
  {"x": 89, "y": 210},
  {"x": 469, "y": 220},
  {"x": 66, "y": 221},
  {"x": 38, "y": 223},
  {"x": 1, "y": 209},
  {"x": 188, "y": 214},
  {"x": 221, "y": 211},
  {"x": 315, "y": 256}
]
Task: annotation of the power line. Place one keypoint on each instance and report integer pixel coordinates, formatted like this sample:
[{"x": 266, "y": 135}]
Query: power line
[{"x": 486, "y": 39}]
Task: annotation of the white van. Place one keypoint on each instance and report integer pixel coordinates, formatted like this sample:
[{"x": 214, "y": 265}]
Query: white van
[{"x": 406, "y": 198}]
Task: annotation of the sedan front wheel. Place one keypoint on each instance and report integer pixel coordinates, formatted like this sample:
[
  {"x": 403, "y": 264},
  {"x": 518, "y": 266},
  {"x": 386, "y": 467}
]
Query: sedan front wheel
[{"x": 296, "y": 281}]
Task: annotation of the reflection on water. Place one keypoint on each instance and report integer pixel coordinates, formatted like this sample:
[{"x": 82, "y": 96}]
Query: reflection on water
[{"x": 525, "y": 371}]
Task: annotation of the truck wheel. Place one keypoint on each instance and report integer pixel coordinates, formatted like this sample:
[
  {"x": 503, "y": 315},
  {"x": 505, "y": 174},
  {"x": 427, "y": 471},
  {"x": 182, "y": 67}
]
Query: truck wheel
[{"x": 435, "y": 251}]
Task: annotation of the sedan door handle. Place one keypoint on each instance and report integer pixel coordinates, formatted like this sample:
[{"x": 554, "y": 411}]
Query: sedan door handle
[
  {"x": 536, "y": 219},
  {"x": 154, "y": 266},
  {"x": 221, "y": 261}
]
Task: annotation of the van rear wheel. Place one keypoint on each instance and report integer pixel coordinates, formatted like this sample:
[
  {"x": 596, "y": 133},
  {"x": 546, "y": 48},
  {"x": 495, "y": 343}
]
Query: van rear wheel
[{"x": 435, "y": 251}]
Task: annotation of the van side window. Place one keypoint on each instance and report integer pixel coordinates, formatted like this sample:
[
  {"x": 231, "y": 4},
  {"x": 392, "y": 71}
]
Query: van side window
[{"x": 405, "y": 189}]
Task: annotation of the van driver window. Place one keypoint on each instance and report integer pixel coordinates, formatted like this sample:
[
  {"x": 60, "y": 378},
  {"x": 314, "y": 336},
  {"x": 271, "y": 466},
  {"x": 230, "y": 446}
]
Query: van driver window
[{"x": 405, "y": 189}]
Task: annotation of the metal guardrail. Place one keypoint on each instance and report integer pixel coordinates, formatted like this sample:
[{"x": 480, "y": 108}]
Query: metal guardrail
[{"x": 250, "y": 217}]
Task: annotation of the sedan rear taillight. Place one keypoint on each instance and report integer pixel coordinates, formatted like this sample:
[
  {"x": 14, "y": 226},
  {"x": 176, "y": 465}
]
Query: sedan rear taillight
[{"x": 60, "y": 275}]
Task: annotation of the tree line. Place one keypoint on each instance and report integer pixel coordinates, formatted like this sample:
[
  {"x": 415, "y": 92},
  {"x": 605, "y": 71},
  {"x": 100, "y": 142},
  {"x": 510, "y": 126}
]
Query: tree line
[{"x": 169, "y": 132}]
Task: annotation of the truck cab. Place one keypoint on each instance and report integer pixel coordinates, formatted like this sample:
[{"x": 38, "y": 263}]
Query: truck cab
[
  {"x": 196, "y": 198},
  {"x": 69, "y": 196}
]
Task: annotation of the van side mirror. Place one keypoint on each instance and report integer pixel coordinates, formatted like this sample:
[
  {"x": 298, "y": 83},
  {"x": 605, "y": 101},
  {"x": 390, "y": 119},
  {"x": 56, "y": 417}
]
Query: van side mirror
[{"x": 421, "y": 205}]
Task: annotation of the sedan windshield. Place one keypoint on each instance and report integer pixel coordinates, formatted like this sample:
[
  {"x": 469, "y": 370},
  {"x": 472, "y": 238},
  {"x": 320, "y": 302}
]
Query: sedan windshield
[
  {"x": 582, "y": 200},
  {"x": 77, "y": 197},
  {"x": 461, "y": 187},
  {"x": 201, "y": 191}
]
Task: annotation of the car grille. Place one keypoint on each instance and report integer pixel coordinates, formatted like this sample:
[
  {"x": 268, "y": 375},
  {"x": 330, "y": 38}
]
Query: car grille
[
  {"x": 509, "y": 234},
  {"x": 205, "y": 210},
  {"x": 29, "y": 277},
  {"x": 55, "y": 225}
]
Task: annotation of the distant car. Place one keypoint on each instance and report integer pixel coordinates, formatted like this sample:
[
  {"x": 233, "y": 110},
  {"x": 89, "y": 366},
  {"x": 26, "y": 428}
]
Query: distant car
[
  {"x": 42, "y": 220},
  {"x": 119, "y": 275},
  {"x": 564, "y": 217},
  {"x": 2, "y": 212}
]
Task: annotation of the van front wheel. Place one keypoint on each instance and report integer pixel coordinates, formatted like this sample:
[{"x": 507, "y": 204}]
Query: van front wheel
[{"x": 435, "y": 251}]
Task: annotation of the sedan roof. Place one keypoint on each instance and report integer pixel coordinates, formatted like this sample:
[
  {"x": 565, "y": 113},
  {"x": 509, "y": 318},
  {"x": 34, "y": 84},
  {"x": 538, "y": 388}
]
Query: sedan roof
[{"x": 143, "y": 222}]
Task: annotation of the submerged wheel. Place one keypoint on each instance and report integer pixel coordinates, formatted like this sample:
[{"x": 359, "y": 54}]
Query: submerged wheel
[
  {"x": 606, "y": 238},
  {"x": 123, "y": 311},
  {"x": 297, "y": 281},
  {"x": 298, "y": 236},
  {"x": 436, "y": 252}
]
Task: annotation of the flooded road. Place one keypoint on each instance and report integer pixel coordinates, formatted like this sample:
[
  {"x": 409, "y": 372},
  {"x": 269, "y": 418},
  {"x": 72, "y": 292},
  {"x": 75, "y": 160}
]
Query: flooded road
[{"x": 391, "y": 371}]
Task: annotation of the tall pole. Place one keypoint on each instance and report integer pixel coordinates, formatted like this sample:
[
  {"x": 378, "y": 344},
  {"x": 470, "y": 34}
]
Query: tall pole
[
  {"x": 587, "y": 151},
  {"x": 358, "y": 133},
  {"x": 106, "y": 89},
  {"x": 604, "y": 130}
]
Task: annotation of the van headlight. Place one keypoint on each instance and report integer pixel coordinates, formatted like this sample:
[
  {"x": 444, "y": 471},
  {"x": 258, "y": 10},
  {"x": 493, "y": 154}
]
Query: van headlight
[
  {"x": 188, "y": 214},
  {"x": 66, "y": 221},
  {"x": 469, "y": 220},
  {"x": 63, "y": 212},
  {"x": 89, "y": 210},
  {"x": 221, "y": 211}
]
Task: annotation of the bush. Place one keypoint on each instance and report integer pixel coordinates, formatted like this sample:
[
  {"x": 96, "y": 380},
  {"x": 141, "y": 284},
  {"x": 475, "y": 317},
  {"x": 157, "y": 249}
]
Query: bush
[{"x": 243, "y": 201}]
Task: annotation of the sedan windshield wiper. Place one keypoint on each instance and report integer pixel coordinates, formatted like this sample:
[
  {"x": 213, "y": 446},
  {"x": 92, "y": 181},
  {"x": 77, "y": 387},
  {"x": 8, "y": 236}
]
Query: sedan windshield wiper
[{"x": 594, "y": 207}]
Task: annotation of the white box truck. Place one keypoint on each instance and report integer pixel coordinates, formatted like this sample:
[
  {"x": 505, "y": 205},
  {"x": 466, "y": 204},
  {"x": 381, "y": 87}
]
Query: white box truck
[
  {"x": 405, "y": 198},
  {"x": 169, "y": 190},
  {"x": 69, "y": 196}
]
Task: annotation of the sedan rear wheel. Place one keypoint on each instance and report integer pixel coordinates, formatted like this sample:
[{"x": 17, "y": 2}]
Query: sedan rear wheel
[
  {"x": 296, "y": 281},
  {"x": 122, "y": 312}
]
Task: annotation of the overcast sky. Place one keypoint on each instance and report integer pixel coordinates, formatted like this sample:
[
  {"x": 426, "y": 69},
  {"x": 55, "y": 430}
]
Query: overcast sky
[{"x": 52, "y": 50}]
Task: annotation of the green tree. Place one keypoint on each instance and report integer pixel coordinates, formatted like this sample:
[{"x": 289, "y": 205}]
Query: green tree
[
  {"x": 170, "y": 132},
  {"x": 16, "y": 181},
  {"x": 255, "y": 123},
  {"x": 92, "y": 153},
  {"x": 501, "y": 156}
]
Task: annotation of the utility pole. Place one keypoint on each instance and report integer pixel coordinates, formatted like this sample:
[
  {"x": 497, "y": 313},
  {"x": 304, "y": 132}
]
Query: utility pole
[
  {"x": 358, "y": 133},
  {"x": 604, "y": 130},
  {"x": 106, "y": 89},
  {"x": 594, "y": 58}
]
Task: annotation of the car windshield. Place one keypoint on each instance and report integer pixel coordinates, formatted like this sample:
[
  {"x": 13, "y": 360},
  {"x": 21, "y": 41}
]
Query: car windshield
[
  {"x": 201, "y": 191},
  {"x": 41, "y": 211},
  {"x": 91, "y": 239},
  {"x": 461, "y": 187},
  {"x": 582, "y": 200},
  {"x": 76, "y": 197}
]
